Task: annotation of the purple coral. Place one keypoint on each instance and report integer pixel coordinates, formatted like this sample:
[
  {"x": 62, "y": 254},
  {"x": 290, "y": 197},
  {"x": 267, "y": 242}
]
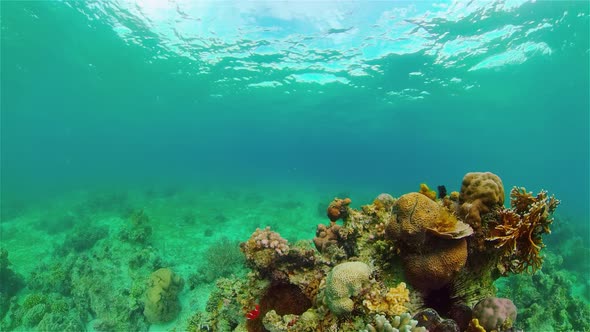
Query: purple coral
[
  {"x": 267, "y": 239},
  {"x": 495, "y": 313}
]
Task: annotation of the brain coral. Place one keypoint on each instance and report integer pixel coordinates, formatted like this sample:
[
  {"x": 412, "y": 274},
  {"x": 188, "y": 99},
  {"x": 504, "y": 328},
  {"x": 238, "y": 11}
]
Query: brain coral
[
  {"x": 495, "y": 314},
  {"x": 415, "y": 213},
  {"x": 161, "y": 302},
  {"x": 345, "y": 280},
  {"x": 435, "y": 269},
  {"x": 483, "y": 186}
]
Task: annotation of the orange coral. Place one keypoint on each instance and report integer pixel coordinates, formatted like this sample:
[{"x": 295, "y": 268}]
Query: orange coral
[
  {"x": 433, "y": 270},
  {"x": 519, "y": 230},
  {"x": 338, "y": 208}
]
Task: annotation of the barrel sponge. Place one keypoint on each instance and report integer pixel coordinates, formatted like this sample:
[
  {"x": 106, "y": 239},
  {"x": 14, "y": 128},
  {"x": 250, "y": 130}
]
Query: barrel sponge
[
  {"x": 483, "y": 186},
  {"x": 495, "y": 314},
  {"x": 345, "y": 280},
  {"x": 415, "y": 213},
  {"x": 161, "y": 301},
  {"x": 435, "y": 269}
]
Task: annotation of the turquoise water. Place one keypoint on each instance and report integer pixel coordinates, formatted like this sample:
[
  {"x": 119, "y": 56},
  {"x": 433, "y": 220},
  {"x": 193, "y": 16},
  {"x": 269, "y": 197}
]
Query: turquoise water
[{"x": 179, "y": 107}]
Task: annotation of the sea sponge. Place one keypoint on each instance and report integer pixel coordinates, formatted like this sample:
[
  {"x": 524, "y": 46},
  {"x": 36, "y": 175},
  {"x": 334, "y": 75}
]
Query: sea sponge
[
  {"x": 426, "y": 191},
  {"x": 344, "y": 281},
  {"x": 435, "y": 269},
  {"x": 495, "y": 313},
  {"x": 161, "y": 301}
]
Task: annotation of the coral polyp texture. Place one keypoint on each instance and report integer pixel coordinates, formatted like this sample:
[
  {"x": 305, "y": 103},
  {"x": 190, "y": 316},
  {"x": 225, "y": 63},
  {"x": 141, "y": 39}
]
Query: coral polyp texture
[{"x": 416, "y": 262}]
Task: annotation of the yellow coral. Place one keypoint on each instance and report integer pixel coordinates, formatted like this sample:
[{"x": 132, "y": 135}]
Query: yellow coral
[
  {"x": 474, "y": 326},
  {"x": 424, "y": 190},
  {"x": 392, "y": 303}
]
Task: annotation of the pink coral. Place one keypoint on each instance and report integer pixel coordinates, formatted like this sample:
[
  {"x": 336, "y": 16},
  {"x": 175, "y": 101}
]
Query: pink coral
[
  {"x": 264, "y": 247},
  {"x": 495, "y": 314}
]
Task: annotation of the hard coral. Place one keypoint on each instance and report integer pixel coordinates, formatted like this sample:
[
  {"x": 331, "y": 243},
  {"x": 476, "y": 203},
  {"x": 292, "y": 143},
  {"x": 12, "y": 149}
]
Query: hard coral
[
  {"x": 519, "y": 230},
  {"x": 495, "y": 314},
  {"x": 393, "y": 302},
  {"x": 264, "y": 247},
  {"x": 480, "y": 193},
  {"x": 326, "y": 236},
  {"x": 435, "y": 269},
  {"x": 161, "y": 302},
  {"x": 344, "y": 281},
  {"x": 338, "y": 208}
]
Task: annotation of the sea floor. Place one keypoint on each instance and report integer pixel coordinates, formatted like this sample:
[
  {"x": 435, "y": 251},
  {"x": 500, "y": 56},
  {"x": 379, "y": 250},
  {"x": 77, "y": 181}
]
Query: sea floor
[{"x": 184, "y": 224}]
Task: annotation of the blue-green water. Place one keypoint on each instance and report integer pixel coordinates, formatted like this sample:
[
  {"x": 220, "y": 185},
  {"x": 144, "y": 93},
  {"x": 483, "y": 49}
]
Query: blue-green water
[{"x": 360, "y": 97}]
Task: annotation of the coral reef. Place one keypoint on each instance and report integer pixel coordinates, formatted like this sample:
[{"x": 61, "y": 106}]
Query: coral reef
[
  {"x": 161, "y": 301},
  {"x": 11, "y": 283},
  {"x": 411, "y": 263}
]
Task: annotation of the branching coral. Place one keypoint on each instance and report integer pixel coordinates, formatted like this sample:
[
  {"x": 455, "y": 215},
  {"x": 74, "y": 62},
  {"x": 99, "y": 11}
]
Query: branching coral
[{"x": 519, "y": 231}]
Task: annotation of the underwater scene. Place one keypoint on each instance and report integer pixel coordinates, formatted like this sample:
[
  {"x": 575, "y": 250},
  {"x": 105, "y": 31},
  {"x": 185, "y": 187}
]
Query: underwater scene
[{"x": 380, "y": 166}]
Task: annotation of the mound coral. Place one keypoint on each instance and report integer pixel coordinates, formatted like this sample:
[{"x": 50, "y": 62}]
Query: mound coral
[
  {"x": 344, "y": 281},
  {"x": 518, "y": 231},
  {"x": 436, "y": 268},
  {"x": 161, "y": 302},
  {"x": 495, "y": 314},
  {"x": 480, "y": 193}
]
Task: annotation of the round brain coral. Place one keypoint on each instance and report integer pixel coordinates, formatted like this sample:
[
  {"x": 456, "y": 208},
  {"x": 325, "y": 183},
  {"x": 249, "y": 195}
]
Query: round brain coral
[
  {"x": 415, "y": 213},
  {"x": 344, "y": 281},
  {"x": 484, "y": 186},
  {"x": 495, "y": 313},
  {"x": 433, "y": 270}
]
